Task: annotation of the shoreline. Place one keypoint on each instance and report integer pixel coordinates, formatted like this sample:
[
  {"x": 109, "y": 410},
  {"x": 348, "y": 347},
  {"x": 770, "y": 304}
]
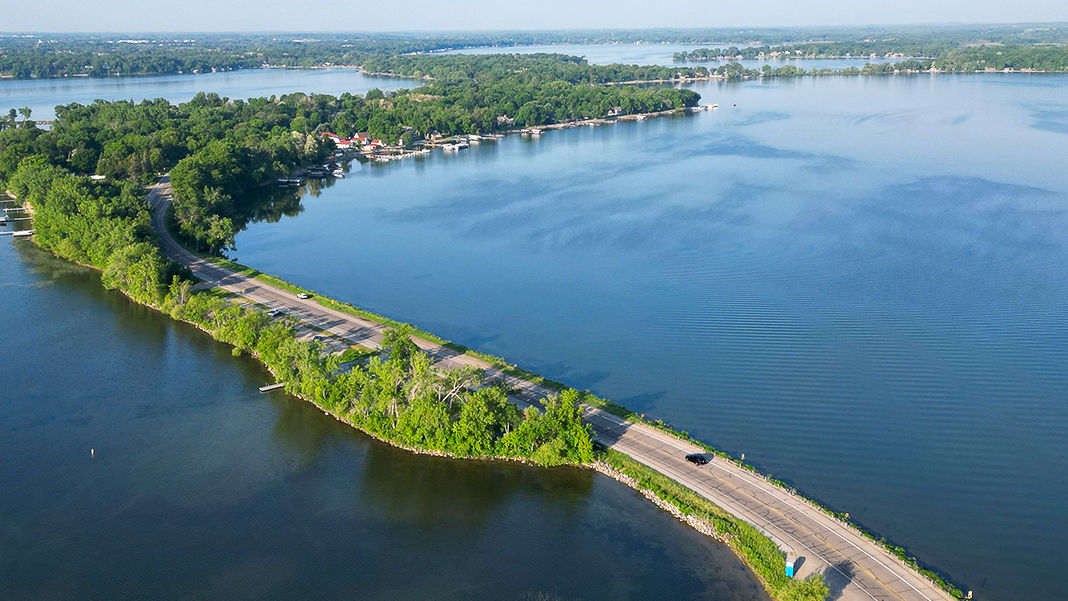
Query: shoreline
[
  {"x": 394, "y": 153},
  {"x": 682, "y": 512},
  {"x": 599, "y": 465},
  {"x": 899, "y": 555},
  {"x": 626, "y": 415}
]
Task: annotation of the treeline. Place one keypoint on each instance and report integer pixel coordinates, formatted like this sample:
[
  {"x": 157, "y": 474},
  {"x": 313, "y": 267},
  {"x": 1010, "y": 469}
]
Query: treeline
[
  {"x": 735, "y": 70},
  {"x": 1038, "y": 58},
  {"x": 106, "y": 226},
  {"x": 24, "y": 57},
  {"x": 44, "y": 63},
  {"x": 95, "y": 55},
  {"x": 486, "y": 93},
  {"x": 865, "y": 49},
  {"x": 944, "y": 56},
  {"x": 396, "y": 396},
  {"x": 520, "y": 67}
]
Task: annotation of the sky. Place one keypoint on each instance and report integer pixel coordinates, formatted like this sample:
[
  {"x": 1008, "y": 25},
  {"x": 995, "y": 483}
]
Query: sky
[{"x": 408, "y": 15}]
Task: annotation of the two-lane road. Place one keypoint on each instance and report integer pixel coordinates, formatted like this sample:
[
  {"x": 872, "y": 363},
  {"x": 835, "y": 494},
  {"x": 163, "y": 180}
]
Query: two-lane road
[{"x": 855, "y": 568}]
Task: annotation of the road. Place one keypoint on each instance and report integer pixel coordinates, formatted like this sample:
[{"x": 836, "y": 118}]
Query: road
[{"x": 855, "y": 568}]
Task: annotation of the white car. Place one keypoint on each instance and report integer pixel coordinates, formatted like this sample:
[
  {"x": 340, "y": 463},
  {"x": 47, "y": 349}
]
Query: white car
[{"x": 303, "y": 295}]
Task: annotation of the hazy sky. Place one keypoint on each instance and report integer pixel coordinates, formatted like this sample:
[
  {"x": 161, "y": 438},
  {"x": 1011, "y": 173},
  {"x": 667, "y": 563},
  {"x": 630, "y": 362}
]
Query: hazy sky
[{"x": 395, "y": 15}]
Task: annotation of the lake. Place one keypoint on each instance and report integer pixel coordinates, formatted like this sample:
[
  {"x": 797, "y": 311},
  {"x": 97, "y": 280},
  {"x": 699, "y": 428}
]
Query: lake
[
  {"x": 140, "y": 462},
  {"x": 857, "y": 282},
  {"x": 43, "y": 95}
]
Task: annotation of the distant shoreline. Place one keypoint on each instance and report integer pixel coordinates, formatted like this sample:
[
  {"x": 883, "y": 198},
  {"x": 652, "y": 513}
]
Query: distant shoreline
[{"x": 710, "y": 77}]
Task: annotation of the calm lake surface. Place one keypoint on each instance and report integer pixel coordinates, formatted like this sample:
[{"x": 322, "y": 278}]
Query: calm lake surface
[
  {"x": 857, "y": 282},
  {"x": 42, "y": 95},
  {"x": 202, "y": 488}
]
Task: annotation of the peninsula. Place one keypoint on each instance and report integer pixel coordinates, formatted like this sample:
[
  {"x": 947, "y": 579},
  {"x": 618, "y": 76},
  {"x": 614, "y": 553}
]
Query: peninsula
[{"x": 403, "y": 386}]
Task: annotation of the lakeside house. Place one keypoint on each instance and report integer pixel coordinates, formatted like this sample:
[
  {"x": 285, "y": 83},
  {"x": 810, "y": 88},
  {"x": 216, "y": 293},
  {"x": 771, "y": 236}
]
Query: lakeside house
[
  {"x": 339, "y": 141},
  {"x": 359, "y": 140}
]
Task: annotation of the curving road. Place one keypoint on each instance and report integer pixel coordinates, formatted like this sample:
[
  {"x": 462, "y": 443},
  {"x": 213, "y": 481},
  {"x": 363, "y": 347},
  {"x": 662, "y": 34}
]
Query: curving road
[{"x": 855, "y": 568}]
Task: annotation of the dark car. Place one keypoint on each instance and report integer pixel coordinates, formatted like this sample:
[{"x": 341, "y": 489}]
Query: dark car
[{"x": 697, "y": 459}]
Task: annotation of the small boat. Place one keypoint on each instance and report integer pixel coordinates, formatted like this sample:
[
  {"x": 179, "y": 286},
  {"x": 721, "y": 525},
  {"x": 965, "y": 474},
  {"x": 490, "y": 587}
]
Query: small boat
[
  {"x": 339, "y": 173},
  {"x": 22, "y": 233}
]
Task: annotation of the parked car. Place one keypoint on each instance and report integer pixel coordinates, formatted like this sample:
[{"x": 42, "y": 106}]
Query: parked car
[
  {"x": 697, "y": 459},
  {"x": 303, "y": 295}
]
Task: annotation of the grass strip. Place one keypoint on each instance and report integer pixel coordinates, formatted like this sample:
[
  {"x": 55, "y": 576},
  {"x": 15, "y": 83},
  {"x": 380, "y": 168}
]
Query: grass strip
[{"x": 619, "y": 411}]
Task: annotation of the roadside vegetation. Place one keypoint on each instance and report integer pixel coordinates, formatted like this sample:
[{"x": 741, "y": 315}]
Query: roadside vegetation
[
  {"x": 394, "y": 395},
  {"x": 757, "y": 550}
]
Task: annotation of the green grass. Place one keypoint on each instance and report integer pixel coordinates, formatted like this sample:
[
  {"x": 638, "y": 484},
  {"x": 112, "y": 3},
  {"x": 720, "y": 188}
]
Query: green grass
[{"x": 505, "y": 367}]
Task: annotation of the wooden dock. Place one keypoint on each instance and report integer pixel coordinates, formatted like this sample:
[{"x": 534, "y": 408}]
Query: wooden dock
[{"x": 271, "y": 387}]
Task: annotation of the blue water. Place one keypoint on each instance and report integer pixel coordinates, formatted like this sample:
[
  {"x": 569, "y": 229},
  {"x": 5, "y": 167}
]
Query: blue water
[
  {"x": 43, "y": 95},
  {"x": 140, "y": 462},
  {"x": 857, "y": 282}
]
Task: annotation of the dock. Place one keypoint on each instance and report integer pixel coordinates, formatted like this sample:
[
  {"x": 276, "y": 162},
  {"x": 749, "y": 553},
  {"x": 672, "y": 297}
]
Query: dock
[{"x": 271, "y": 387}]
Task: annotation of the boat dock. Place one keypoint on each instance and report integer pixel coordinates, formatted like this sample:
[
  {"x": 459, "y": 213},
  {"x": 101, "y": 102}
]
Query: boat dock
[{"x": 271, "y": 387}]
